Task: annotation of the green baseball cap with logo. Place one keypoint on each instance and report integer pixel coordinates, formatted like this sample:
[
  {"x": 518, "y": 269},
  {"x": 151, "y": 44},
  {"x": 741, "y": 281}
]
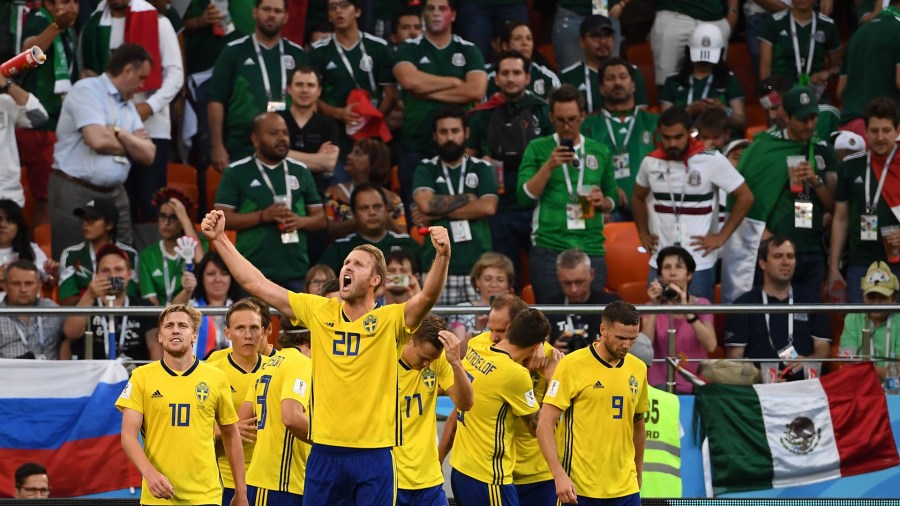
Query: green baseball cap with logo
[{"x": 800, "y": 102}]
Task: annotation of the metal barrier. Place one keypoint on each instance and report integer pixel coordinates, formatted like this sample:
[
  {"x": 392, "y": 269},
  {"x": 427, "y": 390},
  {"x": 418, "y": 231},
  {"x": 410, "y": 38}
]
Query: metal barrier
[
  {"x": 452, "y": 502},
  {"x": 548, "y": 309}
]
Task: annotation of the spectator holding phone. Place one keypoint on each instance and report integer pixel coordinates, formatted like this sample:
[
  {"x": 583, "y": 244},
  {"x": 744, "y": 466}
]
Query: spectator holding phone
[
  {"x": 130, "y": 337},
  {"x": 402, "y": 277},
  {"x": 492, "y": 275}
]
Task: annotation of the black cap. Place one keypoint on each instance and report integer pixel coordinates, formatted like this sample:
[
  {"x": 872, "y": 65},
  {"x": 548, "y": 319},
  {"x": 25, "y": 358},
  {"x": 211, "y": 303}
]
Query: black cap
[
  {"x": 595, "y": 23},
  {"x": 99, "y": 208}
]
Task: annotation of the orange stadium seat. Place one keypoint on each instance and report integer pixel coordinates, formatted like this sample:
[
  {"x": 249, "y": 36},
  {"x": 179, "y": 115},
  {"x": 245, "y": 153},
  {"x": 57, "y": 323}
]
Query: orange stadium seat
[
  {"x": 231, "y": 234},
  {"x": 634, "y": 292},
  {"x": 547, "y": 52},
  {"x": 42, "y": 237},
  {"x": 625, "y": 259},
  {"x": 738, "y": 59},
  {"x": 752, "y": 131},
  {"x": 528, "y": 294},
  {"x": 188, "y": 189},
  {"x": 181, "y": 173},
  {"x": 641, "y": 56},
  {"x": 756, "y": 115},
  {"x": 212, "y": 184}
]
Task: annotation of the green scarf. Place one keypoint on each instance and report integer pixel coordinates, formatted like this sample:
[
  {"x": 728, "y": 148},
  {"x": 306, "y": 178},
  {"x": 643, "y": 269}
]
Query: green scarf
[{"x": 61, "y": 70}]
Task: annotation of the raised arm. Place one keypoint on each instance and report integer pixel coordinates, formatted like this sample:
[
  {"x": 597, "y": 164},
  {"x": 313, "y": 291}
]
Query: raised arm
[
  {"x": 421, "y": 303},
  {"x": 245, "y": 273}
]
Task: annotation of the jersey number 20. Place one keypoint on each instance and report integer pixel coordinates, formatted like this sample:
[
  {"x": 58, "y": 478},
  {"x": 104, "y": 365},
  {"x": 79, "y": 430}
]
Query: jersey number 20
[{"x": 346, "y": 343}]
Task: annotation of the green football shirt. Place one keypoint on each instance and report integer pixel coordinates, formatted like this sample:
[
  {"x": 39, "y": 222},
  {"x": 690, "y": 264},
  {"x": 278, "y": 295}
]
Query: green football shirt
[
  {"x": 337, "y": 251},
  {"x": 870, "y": 65},
  {"x": 588, "y": 84},
  {"x": 77, "y": 265},
  {"x": 677, "y": 93},
  {"x": 239, "y": 84},
  {"x": 40, "y": 80},
  {"x": 777, "y": 32}
]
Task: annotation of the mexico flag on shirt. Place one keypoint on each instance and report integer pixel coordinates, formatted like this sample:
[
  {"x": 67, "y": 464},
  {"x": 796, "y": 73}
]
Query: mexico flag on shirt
[{"x": 790, "y": 434}]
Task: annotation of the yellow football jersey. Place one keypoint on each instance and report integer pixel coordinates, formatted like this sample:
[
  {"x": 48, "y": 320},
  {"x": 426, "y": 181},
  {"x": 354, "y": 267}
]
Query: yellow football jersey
[
  {"x": 180, "y": 410},
  {"x": 354, "y": 401},
  {"x": 417, "y": 460},
  {"x": 595, "y": 442},
  {"x": 530, "y": 464},
  {"x": 240, "y": 381},
  {"x": 279, "y": 459},
  {"x": 483, "y": 446}
]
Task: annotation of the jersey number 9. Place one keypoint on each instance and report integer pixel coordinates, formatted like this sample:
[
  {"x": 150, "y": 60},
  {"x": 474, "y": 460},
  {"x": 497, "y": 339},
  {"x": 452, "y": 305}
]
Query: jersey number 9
[
  {"x": 346, "y": 343},
  {"x": 618, "y": 402}
]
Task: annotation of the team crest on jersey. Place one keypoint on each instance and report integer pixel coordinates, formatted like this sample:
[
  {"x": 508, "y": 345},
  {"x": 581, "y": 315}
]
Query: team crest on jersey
[
  {"x": 288, "y": 62},
  {"x": 820, "y": 162},
  {"x": 820, "y": 36},
  {"x": 472, "y": 180},
  {"x": 539, "y": 87},
  {"x": 293, "y": 182},
  {"x": 458, "y": 59},
  {"x": 591, "y": 162},
  {"x": 693, "y": 178},
  {"x": 645, "y": 137},
  {"x": 366, "y": 64},
  {"x": 370, "y": 324},
  {"x": 429, "y": 379},
  {"x": 633, "y": 386},
  {"x": 202, "y": 392}
]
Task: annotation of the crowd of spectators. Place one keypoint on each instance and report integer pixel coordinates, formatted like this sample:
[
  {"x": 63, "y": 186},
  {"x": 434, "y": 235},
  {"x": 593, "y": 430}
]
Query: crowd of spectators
[{"x": 319, "y": 126}]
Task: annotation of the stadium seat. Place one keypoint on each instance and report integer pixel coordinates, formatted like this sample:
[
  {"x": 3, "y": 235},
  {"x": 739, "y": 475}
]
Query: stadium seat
[
  {"x": 756, "y": 115},
  {"x": 738, "y": 59},
  {"x": 528, "y": 294},
  {"x": 547, "y": 52},
  {"x": 641, "y": 56},
  {"x": 752, "y": 131},
  {"x": 188, "y": 189},
  {"x": 42, "y": 237},
  {"x": 181, "y": 173},
  {"x": 231, "y": 234},
  {"x": 634, "y": 292},
  {"x": 626, "y": 259},
  {"x": 212, "y": 184}
]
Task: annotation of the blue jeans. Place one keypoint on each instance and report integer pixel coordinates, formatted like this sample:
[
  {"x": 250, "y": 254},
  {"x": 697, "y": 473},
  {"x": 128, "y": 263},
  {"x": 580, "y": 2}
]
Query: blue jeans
[
  {"x": 753, "y": 26},
  {"x": 542, "y": 269},
  {"x": 476, "y": 23},
  {"x": 511, "y": 233},
  {"x": 703, "y": 283},
  {"x": 566, "y": 26}
]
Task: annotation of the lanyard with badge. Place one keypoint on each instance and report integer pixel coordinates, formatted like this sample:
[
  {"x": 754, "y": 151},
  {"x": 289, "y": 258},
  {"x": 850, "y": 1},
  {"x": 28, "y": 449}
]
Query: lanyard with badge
[
  {"x": 868, "y": 226},
  {"x": 621, "y": 161},
  {"x": 271, "y": 106},
  {"x": 680, "y": 238},
  {"x": 109, "y": 329},
  {"x": 803, "y": 74},
  {"x": 574, "y": 210},
  {"x": 18, "y": 324},
  {"x": 285, "y": 200},
  {"x": 459, "y": 229},
  {"x": 788, "y": 352},
  {"x": 167, "y": 282},
  {"x": 803, "y": 204},
  {"x": 690, "y": 97},
  {"x": 588, "y": 92},
  {"x": 366, "y": 64}
]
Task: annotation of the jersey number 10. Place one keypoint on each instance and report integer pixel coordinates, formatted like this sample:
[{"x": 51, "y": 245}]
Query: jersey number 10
[{"x": 181, "y": 415}]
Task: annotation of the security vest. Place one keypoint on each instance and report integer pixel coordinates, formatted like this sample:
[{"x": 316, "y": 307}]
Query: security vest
[{"x": 662, "y": 453}]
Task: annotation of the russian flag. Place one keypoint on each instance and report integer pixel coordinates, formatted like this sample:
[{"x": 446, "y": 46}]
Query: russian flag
[{"x": 62, "y": 415}]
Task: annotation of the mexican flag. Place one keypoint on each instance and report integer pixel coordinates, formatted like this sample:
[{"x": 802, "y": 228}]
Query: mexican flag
[{"x": 790, "y": 434}]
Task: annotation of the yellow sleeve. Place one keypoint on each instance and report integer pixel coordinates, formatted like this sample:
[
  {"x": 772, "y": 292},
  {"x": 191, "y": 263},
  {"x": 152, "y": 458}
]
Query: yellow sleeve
[
  {"x": 519, "y": 393},
  {"x": 225, "y": 414},
  {"x": 561, "y": 389},
  {"x": 303, "y": 304},
  {"x": 444, "y": 372},
  {"x": 132, "y": 396},
  {"x": 643, "y": 404},
  {"x": 296, "y": 386}
]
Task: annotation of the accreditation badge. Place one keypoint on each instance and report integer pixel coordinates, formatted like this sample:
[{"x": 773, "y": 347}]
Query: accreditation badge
[
  {"x": 868, "y": 227},
  {"x": 803, "y": 214}
]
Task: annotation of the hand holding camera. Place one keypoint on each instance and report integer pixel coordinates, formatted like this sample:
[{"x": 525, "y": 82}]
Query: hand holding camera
[
  {"x": 103, "y": 285},
  {"x": 662, "y": 293}
]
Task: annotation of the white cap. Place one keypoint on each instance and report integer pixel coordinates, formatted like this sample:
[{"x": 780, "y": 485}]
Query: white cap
[
  {"x": 849, "y": 141},
  {"x": 706, "y": 43}
]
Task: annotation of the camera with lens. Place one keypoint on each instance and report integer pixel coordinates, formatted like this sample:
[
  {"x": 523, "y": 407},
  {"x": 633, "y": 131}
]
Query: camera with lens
[
  {"x": 117, "y": 284},
  {"x": 669, "y": 293}
]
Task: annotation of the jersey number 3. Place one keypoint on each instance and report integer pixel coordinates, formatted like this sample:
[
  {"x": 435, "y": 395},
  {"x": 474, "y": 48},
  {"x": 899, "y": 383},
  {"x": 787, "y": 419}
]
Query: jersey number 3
[{"x": 345, "y": 344}]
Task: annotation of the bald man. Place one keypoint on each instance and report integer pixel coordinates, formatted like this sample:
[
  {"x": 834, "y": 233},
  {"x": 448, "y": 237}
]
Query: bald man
[{"x": 271, "y": 201}]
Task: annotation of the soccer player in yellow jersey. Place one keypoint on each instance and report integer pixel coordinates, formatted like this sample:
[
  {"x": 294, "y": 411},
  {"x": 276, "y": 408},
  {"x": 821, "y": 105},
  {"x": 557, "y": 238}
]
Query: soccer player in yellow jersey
[
  {"x": 354, "y": 403},
  {"x": 279, "y": 401},
  {"x": 597, "y": 454},
  {"x": 175, "y": 404},
  {"x": 483, "y": 457},
  {"x": 244, "y": 328},
  {"x": 424, "y": 370}
]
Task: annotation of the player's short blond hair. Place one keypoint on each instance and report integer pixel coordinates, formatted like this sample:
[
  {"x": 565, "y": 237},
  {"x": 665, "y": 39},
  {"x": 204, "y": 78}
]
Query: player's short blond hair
[
  {"x": 192, "y": 312},
  {"x": 377, "y": 258}
]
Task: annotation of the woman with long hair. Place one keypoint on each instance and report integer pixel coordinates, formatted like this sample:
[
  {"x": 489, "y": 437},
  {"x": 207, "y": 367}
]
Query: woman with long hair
[
  {"x": 518, "y": 37},
  {"x": 216, "y": 288},
  {"x": 15, "y": 242}
]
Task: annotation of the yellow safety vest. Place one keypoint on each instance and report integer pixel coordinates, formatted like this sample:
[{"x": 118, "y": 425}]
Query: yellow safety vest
[{"x": 662, "y": 453}]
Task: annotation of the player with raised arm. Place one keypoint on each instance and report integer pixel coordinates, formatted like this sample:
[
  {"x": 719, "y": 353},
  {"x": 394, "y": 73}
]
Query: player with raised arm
[
  {"x": 430, "y": 363},
  {"x": 175, "y": 403},
  {"x": 597, "y": 454},
  {"x": 356, "y": 346}
]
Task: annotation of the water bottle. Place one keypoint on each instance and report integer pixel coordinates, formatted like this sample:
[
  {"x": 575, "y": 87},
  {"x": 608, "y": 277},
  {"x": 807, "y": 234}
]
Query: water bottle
[
  {"x": 891, "y": 377},
  {"x": 226, "y": 26}
]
